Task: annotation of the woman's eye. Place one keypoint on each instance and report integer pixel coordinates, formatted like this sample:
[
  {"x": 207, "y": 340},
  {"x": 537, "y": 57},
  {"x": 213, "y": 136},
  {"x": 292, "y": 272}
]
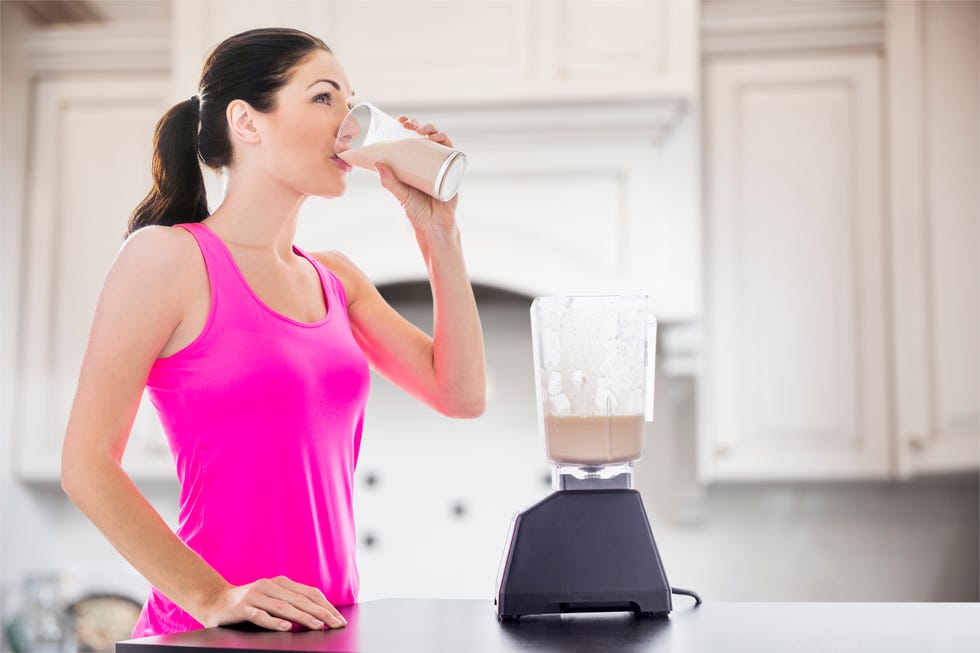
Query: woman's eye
[{"x": 326, "y": 96}]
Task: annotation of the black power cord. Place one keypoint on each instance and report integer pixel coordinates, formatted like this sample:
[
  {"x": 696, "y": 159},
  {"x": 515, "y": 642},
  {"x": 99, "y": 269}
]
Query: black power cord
[{"x": 691, "y": 593}]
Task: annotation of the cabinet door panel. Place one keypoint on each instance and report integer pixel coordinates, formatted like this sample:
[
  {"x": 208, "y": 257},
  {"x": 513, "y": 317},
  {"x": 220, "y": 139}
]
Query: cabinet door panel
[
  {"x": 796, "y": 382},
  {"x": 433, "y": 49},
  {"x": 951, "y": 74},
  {"x": 75, "y": 227},
  {"x": 640, "y": 43},
  {"x": 800, "y": 227},
  {"x": 625, "y": 46},
  {"x": 933, "y": 91}
]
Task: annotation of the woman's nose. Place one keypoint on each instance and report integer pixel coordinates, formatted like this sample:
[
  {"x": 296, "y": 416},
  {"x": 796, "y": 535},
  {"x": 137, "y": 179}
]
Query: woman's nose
[{"x": 349, "y": 130}]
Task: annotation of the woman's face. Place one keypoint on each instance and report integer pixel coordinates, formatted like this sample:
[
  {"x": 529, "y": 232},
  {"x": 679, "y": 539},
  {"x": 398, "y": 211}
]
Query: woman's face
[{"x": 298, "y": 135}]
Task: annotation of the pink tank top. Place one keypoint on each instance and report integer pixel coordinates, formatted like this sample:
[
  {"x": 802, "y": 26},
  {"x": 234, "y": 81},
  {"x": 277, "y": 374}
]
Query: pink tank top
[{"x": 263, "y": 415}]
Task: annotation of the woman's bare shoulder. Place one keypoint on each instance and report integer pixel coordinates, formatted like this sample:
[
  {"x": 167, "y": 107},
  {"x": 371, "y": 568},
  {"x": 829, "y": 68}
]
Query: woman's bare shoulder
[
  {"x": 159, "y": 259},
  {"x": 160, "y": 243}
]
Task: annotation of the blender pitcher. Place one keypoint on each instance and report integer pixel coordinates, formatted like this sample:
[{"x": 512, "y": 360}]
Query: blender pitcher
[{"x": 594, "y": 368}]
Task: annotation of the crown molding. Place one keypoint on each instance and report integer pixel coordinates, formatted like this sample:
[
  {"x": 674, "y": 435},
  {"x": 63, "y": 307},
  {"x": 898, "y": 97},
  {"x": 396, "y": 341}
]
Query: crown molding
[
  {"x": 752, "y": 26},
  {"x": 105, "y": 47}
]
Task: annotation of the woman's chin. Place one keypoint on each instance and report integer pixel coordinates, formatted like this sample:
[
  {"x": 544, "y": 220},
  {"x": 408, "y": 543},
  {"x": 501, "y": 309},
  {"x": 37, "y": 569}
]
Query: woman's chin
[{"x": 333, "y": 189}]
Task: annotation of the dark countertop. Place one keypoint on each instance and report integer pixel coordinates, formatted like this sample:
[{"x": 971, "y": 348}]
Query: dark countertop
[{"x": 471, "y": 626}]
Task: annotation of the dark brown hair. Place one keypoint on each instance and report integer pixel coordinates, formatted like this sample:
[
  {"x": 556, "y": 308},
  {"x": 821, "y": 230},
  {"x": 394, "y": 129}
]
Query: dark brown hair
[{"x": 251, "y": 66}]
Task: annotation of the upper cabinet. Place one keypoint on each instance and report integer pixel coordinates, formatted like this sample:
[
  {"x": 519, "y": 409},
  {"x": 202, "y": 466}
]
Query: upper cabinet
[
  {"x": 490, "y": 52},
  {"x": 841, "y": 241},
  {"x": 797, "y": 383}
]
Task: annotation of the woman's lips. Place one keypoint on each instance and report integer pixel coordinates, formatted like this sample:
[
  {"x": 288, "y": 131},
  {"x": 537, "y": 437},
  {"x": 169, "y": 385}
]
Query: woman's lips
[{"x": 346, "y": 167}]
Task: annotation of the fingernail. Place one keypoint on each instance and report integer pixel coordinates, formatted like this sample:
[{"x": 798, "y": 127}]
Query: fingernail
[
  {"x": 317, "y": 623},
  {"x": 284, "y": 625}
]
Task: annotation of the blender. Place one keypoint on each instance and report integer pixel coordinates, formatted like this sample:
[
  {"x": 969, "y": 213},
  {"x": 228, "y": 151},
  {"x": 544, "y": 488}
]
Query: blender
[{"x": 588, "y": 547}]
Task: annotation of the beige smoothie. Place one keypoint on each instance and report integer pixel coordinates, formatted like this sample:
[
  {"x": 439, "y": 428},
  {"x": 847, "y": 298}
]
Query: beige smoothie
[
  {"x": 595, "y": 440},
  {"x": 414, "y": 161}
]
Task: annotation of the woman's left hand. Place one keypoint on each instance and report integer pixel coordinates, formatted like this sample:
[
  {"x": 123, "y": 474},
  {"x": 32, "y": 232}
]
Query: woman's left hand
[{"x": 423, "y": 210}]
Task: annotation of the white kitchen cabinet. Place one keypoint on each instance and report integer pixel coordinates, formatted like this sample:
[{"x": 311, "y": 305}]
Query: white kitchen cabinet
[
  {"x": 843, "y": 275},
  {"x": 796, "y": 381},
  {"x": 487, "y": 52},
  {"x": 91, "y": 148},
  {"x": 935, "y": 207}
]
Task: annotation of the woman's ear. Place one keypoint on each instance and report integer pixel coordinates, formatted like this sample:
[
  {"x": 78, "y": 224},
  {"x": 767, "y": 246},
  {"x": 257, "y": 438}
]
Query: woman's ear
[{"x": 241, "y": 122}]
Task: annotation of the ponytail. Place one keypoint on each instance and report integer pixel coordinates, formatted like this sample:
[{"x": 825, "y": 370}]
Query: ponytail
[{"x": 178, "y": 193}]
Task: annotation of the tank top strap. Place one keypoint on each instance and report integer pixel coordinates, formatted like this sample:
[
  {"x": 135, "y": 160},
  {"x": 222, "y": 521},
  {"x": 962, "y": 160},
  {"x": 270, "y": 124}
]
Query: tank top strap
[
  {"x": 331, "y": 283},
  {"x": 221, "y": 270}
]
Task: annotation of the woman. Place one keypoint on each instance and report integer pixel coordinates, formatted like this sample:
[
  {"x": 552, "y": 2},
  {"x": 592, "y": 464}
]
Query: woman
[{"x": 254, "y": 352}]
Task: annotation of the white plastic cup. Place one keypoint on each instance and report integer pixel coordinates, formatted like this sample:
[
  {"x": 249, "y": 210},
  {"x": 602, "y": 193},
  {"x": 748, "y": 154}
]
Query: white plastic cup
[{"x": 368, "y": 136}]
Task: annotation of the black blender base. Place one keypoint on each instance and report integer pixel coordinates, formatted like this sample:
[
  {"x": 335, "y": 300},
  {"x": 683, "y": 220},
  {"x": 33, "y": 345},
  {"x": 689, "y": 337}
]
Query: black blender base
[{"x": 583, "y": 551}]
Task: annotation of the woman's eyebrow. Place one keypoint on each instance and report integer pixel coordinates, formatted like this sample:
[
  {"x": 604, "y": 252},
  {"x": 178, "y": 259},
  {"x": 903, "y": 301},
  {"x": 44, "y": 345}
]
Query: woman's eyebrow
[
  {"x": 329, "y": 81},
  {"x": 332, "y": 83}
]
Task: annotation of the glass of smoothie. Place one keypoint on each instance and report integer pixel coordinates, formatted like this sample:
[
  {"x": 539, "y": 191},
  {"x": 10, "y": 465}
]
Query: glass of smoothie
[{"x": 368, "y": 136}]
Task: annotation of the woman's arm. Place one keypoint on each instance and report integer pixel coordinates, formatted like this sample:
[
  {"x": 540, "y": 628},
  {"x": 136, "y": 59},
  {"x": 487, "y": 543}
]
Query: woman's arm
[
  {"x": 138, "y": 309},
  {"x": 458, "y": 358},
  {"x": 447, "y": 371}
]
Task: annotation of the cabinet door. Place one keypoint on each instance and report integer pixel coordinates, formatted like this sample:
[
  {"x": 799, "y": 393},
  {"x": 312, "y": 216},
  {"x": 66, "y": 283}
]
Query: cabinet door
[
  {"x": 623, "y": 48},
  {"x": 83, "y": 184},
  {"x": 795, "y": 384},
  {"x": 934, "y": 170}
]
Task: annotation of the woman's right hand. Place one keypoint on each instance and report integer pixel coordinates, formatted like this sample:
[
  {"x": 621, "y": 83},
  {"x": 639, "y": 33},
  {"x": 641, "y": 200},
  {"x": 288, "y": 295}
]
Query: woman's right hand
[{"x": 273, "y": 603}]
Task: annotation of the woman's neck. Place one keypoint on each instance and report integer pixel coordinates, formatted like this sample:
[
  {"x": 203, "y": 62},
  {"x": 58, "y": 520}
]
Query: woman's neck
[{"x": 257, "y": 213}]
